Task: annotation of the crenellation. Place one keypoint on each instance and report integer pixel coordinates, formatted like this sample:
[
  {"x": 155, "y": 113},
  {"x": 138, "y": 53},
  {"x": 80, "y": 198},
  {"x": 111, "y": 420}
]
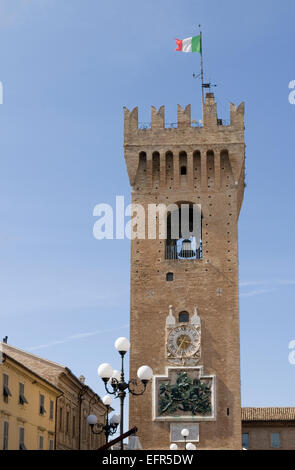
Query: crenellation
[
  {"x": 183, "y": 116},
  {"x": 237, "y": 115},
  {"x": 157, "y": 117},
  {"x": 210, "y": 111},
  {"x": 211, "y": 123}
]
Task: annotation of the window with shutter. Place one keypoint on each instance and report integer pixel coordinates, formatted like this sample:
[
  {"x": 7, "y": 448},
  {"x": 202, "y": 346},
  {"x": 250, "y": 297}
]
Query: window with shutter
[
  {"x": 6, "y": 391},
  {"x": 42, "y": 407},
  {"x": 22, "y": 398},
  {"x": 67, "y": 421},
  {"x": 51, "y": 409},
  {"x": 5, "y": 435},
  {"x": 22, "y": 439},
  {"x": 60, "y": 419}
]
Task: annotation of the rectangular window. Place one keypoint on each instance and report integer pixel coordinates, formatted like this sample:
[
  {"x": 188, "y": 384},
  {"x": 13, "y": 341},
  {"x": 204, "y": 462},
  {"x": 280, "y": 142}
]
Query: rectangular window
[
  {"x": 67, "y": 421},
  {"x": 245, "y": 440},
  {"x": 42, "y": 407},
  {"x": 51, "y": 409},
  {"x": 169, "y": 277},
  {"x": 51, "y": 445},
  {"x": 22, "y": 399},
  {"x": 5, "y": 435},
  {"x": 60, "y": 419},
  {"x": 6, "y": 391},
  {"x": 275, "y": 440},
  {"x": 74, "y": 426},
  {"x": 41, "y": 442},
  {"x": 22, "y": 439}
]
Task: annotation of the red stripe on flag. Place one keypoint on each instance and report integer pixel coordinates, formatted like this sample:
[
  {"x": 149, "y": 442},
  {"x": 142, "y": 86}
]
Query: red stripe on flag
[{"x": 178, "y": 44}]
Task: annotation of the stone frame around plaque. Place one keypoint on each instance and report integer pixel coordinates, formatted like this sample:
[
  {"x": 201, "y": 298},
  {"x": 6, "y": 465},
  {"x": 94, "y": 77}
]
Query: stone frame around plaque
[{"x": 196, "y": 372}]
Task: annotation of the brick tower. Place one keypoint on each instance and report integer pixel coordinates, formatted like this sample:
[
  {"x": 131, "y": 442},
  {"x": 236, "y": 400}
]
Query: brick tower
[{"x": 184, "y": 318}]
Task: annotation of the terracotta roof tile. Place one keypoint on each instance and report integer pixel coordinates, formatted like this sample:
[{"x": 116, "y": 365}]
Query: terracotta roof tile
[{"x": 268, "y": 414}]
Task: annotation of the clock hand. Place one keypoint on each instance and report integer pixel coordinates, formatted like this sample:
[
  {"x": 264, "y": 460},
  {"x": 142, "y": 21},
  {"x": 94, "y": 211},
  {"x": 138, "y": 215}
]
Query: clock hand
[{"x": 180, "y": 345}]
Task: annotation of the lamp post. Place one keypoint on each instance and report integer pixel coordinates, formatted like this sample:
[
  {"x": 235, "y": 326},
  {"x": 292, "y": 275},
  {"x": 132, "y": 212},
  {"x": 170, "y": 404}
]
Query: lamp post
[
  {"x": 187, "y": 445},
  {"x": 111, "y": 425},
  {"x": 116, "y": 379}
]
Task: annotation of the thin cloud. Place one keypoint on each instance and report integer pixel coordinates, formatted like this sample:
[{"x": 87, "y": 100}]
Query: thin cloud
[
  {"x": 69, "y": 339},
  {"x": 276, "y": 282},
  {"x": 256, "y": 292},
  {"x": 254, "y": 283}
]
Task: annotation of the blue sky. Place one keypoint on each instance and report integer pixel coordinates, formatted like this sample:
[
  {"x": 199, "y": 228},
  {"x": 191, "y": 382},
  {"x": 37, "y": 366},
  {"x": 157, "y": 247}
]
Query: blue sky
[{"x": 68, "y": 68}]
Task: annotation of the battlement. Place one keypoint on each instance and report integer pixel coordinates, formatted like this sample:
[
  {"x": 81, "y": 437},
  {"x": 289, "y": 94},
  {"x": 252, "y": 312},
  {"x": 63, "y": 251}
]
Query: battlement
[
  {"x": 192, "y": 130},
  {"x": 186, "y": 156}
]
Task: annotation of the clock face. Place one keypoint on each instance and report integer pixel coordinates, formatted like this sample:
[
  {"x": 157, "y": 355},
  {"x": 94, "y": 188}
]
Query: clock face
[{"x": 183, "y": 341}]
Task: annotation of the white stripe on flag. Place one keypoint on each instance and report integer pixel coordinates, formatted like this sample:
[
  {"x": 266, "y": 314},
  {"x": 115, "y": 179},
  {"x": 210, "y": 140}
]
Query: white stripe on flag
[{"x": 187, "y": 45}]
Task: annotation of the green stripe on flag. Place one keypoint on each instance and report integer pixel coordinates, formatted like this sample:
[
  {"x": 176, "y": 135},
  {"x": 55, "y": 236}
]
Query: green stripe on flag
[{"x": 196, "y": 44}]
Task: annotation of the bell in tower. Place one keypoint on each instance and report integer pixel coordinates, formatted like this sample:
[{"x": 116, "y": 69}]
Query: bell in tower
[{"x": 188, "y": 250}]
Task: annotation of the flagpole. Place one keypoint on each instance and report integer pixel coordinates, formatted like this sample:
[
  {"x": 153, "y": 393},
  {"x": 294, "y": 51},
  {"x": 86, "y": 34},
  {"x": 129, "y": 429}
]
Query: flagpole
[{"x": 202, "y": 70}]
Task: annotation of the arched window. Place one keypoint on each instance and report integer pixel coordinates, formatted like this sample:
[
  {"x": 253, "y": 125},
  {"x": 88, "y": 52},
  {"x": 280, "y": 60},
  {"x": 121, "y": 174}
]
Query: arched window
[
  {"x": 156, "y": 169},
  {"x": 184, "y": 232},
  {"x": 210, "y": 169},
  {"x": 183, "y": 165},
  {"x": 227, "y": 178},
  {"x": 140, "y": 178},
  {"x": 183, "y": 317},
  {"x": 169, "y": 277}
]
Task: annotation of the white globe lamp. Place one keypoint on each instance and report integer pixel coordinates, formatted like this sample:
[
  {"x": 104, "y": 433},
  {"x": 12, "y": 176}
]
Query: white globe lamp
[
  {"x": 116, "y": 376},
  {"x": 115, "y": 419},
  {"x": 105, "y": 371},
  {"x": 107, "y": 400},
  {"x": 145, "y": 374},
  {"x": 190, "y": 446},
  {"x": 185, "y": 432},
  {"x": 92, "y": 420},
  {"x": 173, "y": 447},
  {"x": 122, "y": 345}
]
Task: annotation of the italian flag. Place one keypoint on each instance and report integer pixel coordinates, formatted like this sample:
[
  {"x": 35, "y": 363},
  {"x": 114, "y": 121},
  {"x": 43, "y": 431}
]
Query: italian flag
[{"x": 193, "y": 44}]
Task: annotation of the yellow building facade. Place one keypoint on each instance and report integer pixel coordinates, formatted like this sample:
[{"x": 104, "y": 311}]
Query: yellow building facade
[
  {"x": 27, "y": 408},
  {"x": 73, "y": 401}
]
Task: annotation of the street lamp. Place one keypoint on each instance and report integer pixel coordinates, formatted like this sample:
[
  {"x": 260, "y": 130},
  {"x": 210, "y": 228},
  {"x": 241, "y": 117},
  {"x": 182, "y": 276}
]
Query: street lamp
[
  {"x": 187, "y": 445},
  {"x": 174, "y": 447},
  {"x": 116, "y": 379},
  {"x": 111, "y": 425},
  {"x": 190, "y": 446}
]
